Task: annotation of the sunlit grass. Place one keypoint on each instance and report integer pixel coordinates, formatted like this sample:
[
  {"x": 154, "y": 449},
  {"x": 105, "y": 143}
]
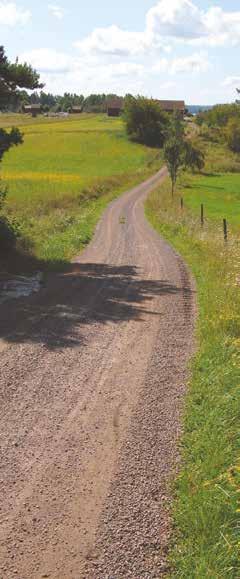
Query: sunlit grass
[
  {"x": 66, "y": 170},
  {"x": 206, "y": 510},
  {"x": 218, "y": 188}
]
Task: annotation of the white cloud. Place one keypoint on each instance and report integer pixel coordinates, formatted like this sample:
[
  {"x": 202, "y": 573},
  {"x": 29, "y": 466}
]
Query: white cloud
[
  {"x": 46, "y": 60},
  {"x": 194, "y": 63},
  {"x": 168, "y": 21},
  {"x": 60, "y": 72},
  {"x": 113, "y": 41},
  {"x": 160, "y": 66},
  {"x": 56, "y": 11},
  {"x": 231, "y": 81},
  {"x": 11, "y": 15},
  {"x": 175, "y": 18}
]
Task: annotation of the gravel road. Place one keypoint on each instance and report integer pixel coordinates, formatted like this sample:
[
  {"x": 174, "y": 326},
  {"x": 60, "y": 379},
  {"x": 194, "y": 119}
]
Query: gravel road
[{"x": 93, "y": 375}]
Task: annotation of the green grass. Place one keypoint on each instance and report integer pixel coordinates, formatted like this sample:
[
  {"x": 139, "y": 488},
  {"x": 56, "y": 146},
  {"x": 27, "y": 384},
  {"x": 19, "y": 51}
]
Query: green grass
[
  {"x": 219, "y": 193},
  {"x": 206, "y": 542},
  {"x": 61, "y": 178},
  {"x": 218, "y": 188}
]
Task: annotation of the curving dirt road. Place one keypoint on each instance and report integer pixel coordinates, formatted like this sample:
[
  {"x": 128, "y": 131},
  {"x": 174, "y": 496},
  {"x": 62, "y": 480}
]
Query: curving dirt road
[{"x": 93, "y": 373}]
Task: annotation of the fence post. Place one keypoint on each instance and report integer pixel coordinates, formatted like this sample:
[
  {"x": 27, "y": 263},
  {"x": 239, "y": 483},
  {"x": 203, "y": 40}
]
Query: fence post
[
  {"x": 181, "y": 203},
  {"x": 225, "y": 230},
  {"x": 202, "y": 215}
]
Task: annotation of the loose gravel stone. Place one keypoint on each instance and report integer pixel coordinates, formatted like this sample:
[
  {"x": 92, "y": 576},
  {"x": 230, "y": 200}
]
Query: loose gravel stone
[{"x": 91, "y": 393}]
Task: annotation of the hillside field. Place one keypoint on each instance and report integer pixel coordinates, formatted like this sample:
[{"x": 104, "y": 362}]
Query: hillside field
[{"x": 64, "y": 174}]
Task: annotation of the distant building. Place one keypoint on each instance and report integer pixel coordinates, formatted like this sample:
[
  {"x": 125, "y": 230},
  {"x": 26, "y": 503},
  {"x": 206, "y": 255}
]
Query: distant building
[
  {"x": 172, "y": 106},
  {"x": 115, "y": 107},
  {"x": 33, "y": 110},
  {"x": 76, "y": 110}
]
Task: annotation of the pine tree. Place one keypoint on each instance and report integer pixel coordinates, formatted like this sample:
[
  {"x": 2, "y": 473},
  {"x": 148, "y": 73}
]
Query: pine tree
[{"x": 13, "y": 76}]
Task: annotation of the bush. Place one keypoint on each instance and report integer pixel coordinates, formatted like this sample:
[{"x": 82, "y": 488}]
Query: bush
[
  {"x": 193, "y": 157},
  {"x": 232, "y": 133},
  {"x": 8, "y": 234},
  {"x": 219, "y": 115},
  {"x": 146, "y": 123}
]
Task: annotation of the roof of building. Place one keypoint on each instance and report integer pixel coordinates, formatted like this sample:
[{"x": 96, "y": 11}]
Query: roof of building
[
  {"x": 32, "y": 107},
  {"x": 172, "y": 105},
  {"x": 116, "y": 103}
]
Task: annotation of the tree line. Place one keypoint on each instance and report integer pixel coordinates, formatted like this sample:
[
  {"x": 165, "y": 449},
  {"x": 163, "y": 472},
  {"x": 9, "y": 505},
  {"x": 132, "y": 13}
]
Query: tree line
[
  {"x": 95, "y": 103},
  {"x": 222, "y": 124}
]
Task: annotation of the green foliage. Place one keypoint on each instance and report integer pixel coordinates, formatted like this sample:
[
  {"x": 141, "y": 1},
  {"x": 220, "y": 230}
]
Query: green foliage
[
  {"x": 176, "y": 126},
  {"x": 180, "y": 152},
  {"x": 194, "y": 158},
  {"x": 146, "y": 123},
  {"x": 219, "y": 115},
  {"x": 13, "y": 76},
  {"x": 174, "y": 157},
  {"x": 9, "y": 139},
  {"x": 232, "y": 133},
  {"x": 3, "y": 194},
  {"x": 8, "y": 234}
]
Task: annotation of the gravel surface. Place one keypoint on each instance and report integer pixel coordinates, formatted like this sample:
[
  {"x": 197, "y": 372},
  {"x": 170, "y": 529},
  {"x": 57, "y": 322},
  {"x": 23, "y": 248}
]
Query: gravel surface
[{"x": 93, "y": 375}]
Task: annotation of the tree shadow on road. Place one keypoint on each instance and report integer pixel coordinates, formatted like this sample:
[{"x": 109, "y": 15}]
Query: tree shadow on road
[{"x": 82, "y": 294}]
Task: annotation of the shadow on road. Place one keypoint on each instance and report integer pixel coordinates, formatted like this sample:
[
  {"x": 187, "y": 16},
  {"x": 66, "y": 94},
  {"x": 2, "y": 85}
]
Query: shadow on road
[{"x": 82, "y": 294}]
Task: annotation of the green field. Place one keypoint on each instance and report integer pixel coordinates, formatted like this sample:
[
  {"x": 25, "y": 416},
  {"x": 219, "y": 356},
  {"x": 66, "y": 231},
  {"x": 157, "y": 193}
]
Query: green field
[
  {"x": 63, "y": 176},
  {"x": 206, "y": 541},
  {"x": 218, "y": 188},
  {"x": 220, "y": 195}
]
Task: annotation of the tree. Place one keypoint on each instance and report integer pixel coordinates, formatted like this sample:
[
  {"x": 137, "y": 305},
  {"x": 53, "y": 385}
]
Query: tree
[
  {"x": 9, "y": 139},
  {"x": 13, "y": 77},
  {"x": 174, "y": 157},
  {"x": 146, "y": 123},
  {"x": 179, "y": 152},
  {"x": 193, "y": 157},
  {"x": 232, "y": 133}
]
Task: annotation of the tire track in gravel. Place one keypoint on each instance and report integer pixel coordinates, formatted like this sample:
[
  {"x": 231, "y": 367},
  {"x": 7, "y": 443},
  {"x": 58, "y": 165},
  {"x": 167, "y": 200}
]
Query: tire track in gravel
[{"x": 93, "y": 374}]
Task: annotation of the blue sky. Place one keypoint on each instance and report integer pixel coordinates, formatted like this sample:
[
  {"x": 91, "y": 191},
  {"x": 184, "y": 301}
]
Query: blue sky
[{"x": 162, "y": 48}]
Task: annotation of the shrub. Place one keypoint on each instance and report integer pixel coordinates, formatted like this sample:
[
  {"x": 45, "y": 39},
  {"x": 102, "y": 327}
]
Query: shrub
[
  {"x": 193, "y": 157},
  {"x": 219, "y": 115},
  {"x": 8, "y": 234},
  {"x": 146, "y": 123},
  {"x": 232, "y": 133}
]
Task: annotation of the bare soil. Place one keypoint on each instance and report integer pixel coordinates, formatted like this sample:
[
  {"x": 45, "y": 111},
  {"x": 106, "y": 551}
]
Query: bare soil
[{"x": 93, "y": 376}]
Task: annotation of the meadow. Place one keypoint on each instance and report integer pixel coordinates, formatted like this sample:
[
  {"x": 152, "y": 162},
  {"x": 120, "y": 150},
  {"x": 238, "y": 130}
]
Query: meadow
[
  {"x": 61, "y": 178},
  {"x": 217, "y": 188},
  {"x": 206, "y": 539}
]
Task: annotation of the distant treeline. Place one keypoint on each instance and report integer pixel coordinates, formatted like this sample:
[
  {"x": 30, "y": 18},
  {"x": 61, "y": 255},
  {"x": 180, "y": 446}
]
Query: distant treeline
[
  {"x": 222, "y": 124},
  {"x": 56, "y": 103}
]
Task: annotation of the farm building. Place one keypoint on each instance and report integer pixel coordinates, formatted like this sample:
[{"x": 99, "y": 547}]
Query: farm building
[
  {"x": 76, "y": 110},
  {"x": 33, "y": 110},
  {"x": 115, "y": 107},
  {"x": 172, "y": 106}
]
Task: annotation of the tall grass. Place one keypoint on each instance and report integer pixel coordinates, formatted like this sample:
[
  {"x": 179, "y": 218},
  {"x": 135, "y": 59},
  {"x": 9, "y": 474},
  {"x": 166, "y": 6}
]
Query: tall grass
[{"x": 206, "y": 511}]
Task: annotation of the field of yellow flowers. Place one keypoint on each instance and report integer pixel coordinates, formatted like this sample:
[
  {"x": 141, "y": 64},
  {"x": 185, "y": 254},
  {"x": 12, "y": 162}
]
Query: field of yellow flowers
[
  {"x": 207, "y": 504},
  {"x": 64, "y": 174}
]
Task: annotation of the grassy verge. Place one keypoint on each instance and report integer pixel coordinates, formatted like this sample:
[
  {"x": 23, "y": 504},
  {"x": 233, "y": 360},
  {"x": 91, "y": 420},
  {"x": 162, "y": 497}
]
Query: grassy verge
[
  {"x": 63, "y": 177},
  {"x": 206, "y": 510}
]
